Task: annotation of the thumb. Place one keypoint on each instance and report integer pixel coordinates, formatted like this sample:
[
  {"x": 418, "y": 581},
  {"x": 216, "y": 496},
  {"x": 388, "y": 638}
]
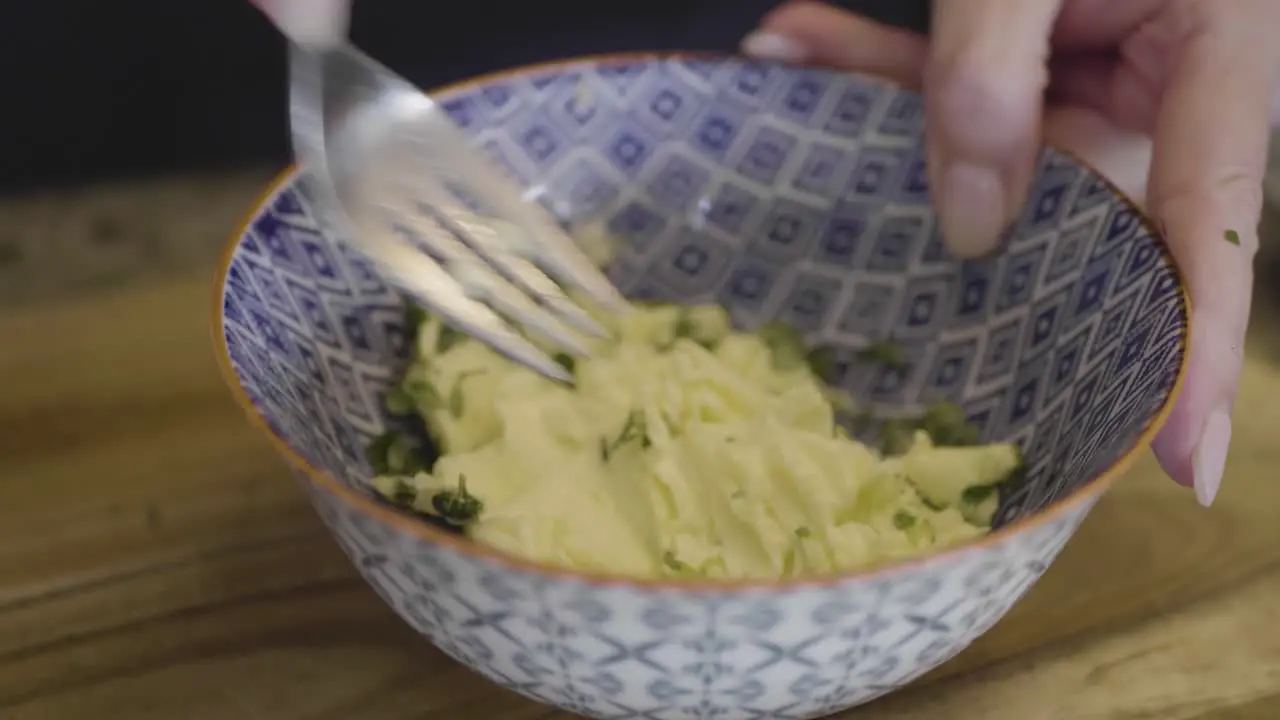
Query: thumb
[{"x": 984, "y": 88}]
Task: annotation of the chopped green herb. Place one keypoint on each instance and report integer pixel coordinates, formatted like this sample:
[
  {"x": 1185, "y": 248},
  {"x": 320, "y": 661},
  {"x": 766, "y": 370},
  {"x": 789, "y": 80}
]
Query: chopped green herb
[
  {"x": 684, "y": 325},
  {"x": 780, "y": 332},
  {"x": 398, "y": 401},
  {"x": 565, "y": 361},
  {"x": 822, "y": 361},
  {"x": 403, "y": 493},
  {"x": 947, "y": 426},
  {"x": 456, "y": 397},
  {"x": 945, "y": 423},
  {"x": 633, "y": 426},
  {"x": 376, "y": 452},
  {"x": 1232, "y": 237},
  {"x": 903, "y": 519},
  {"x": 425, "y": 391},
  {"x": 803, "y": 532},
  {"x": 604, "y": 449},
  {"x": 633, "y": 429},
  {"x": 669, "y": 559},
  {"x": 448, "y": 338},
  {"x": 457, "y": 507},
  {"x": 883, "y": 352},
  {"x": 977, "y": 494},
  {"x": 404, "y": 456},
  {"x": 414, "y": 318},
  {"x": 785, "y": 343},
  {"x": 688, "y": 329},
  {"x": 862, "y": 421},
  {"x": 704, "y": 325},
  {"x": 456, "y": 400},
  {"x": 896, "y": 436},
  {"x": 738, "y": 495},
  {"x": 393, "y": 453},
  {"x": 932, "y": 505}
]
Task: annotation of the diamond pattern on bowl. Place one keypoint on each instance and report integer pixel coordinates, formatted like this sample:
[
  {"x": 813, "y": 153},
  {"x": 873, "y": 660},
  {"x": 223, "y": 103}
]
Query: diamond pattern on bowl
[{"x": 780, "y": 193}]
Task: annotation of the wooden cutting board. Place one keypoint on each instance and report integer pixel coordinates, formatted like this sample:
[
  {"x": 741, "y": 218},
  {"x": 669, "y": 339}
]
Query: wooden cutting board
[{"x": 157, "y": 562}]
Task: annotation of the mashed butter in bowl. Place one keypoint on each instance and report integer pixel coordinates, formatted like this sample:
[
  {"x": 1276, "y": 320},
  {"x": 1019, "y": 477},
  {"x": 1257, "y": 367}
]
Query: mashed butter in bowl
[{"x": 684, "y": 449}]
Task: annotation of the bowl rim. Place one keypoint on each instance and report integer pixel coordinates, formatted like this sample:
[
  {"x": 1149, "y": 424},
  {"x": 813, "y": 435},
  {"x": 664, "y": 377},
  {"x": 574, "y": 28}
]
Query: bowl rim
[{"x": 368, "y": 506}]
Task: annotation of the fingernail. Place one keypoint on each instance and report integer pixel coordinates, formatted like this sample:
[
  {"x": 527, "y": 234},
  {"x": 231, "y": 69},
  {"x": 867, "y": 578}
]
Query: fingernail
[
  {"x": 769, "y": 46},
  {"x": 971, "y": 209},
  {"x": 1210, "y": 457}
]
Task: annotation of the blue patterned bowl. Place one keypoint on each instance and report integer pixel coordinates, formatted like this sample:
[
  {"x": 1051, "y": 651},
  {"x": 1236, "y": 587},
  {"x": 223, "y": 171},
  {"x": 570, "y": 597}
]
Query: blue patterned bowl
[{"x": 781, "y": 193}]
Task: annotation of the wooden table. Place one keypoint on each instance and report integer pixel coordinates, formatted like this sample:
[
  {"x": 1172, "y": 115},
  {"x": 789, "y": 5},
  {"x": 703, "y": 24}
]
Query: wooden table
[{"x": 157, "y": 563}]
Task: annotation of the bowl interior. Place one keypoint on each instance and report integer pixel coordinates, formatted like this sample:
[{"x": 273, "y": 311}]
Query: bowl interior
[{"x": 781, "y": 193}]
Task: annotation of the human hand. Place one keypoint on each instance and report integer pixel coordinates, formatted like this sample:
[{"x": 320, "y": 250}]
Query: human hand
[
  {"x": 1186, "y": 88},
  {"x": 309, "y": 22}
]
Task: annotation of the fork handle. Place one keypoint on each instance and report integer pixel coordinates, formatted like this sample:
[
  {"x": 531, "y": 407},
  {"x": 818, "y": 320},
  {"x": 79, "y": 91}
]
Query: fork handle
[{"x": 313, "y": 24}]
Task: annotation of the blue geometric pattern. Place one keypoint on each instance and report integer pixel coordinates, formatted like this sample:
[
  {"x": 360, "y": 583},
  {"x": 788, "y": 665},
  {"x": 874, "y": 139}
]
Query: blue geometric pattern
[{"x": 780, "y": 193}]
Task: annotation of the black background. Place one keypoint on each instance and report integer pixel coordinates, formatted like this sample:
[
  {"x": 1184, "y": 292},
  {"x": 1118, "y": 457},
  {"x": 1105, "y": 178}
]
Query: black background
[{"x": 95, "y": 89}]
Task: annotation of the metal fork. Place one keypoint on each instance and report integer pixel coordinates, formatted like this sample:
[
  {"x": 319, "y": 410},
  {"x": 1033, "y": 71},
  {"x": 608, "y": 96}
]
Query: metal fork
[{"x": 399, "y": 177}]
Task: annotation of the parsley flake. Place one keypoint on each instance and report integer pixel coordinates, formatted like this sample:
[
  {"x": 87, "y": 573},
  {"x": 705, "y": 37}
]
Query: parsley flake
[
  {"x": 669, "y": 559},
  {"x": 447, "y": 338},
  {"x": 398, "y": 401},
  {"x": 566, "y": 361},
  {"x": 457, "y": 507},
  {"x": 977, "y": 494}
]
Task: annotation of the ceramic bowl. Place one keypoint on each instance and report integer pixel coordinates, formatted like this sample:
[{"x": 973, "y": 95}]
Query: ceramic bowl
[{"x": 781, "y": 193}]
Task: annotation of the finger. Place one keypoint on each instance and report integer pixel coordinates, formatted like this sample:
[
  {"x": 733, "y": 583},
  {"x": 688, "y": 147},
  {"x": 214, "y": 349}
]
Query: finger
[
  {"x": 1206, "y": 187},
  {"x": 984, "y": 88},
  {"x": 1085, "y": 25},
  {"x": 816, "y": 33},
  {"x": 1126, "y": 97}
]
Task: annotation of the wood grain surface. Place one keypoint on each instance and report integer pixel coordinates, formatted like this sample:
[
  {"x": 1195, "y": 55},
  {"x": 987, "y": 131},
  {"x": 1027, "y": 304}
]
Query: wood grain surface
[{"x": 157, "y": 562}]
